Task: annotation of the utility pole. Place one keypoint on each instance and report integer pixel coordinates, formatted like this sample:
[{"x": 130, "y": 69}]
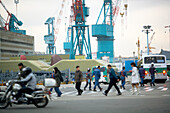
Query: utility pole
[
  {"x": 147, "y": 31},
  {"x": 134, "y": 56},
  {"x": 16, "y": 2},
  {"x": 169, "y": 34}
]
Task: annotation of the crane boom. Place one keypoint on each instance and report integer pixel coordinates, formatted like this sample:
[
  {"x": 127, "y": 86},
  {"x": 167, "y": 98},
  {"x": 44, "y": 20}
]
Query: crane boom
[
  {"x": 2, "y": 21},
  {"x": 10, "y": 22},
  {"x": 5, "y": 8},
  {"x": 151, "y": 39}
]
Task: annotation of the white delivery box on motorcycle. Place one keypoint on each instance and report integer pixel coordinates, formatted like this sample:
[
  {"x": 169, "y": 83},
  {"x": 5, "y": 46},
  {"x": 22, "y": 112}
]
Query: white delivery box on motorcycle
[{"x": 50, "y": 82}]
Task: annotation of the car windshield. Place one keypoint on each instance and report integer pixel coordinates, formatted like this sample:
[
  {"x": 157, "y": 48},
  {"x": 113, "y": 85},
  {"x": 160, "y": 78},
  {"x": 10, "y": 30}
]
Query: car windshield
[
  {"x": 102, "y": 69},
  {"x": 156, "y": 59}
]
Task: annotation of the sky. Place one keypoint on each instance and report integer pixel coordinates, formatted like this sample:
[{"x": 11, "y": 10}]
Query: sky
[{"x": 34, "y": 13}]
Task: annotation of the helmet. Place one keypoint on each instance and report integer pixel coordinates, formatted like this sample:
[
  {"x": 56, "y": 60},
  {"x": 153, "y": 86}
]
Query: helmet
[
  {"x": 152, "y": 63},
  {"x": 26, "y": 71}
]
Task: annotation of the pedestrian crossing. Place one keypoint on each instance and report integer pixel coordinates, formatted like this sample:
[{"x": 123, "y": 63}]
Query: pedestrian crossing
[{"x": 71, "y": 91}]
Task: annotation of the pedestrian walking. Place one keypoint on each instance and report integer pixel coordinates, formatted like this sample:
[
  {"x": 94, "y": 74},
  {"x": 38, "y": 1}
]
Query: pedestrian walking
[
  {"x": 97, "y": 75},
  {"x": 152, "y": 71},
  {"x": 142, "y": 75},
  {"x": 57, "y": 76},
  {"x": 113, "y": 81},
  {"x": 88, "y": 79},
  {"x": 123, "y": 76},
  {"x": 78, "y": 80},
  {"x": 135, "y": 79}
]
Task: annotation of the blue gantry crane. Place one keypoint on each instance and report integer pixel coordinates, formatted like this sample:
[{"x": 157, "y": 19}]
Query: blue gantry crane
[
  {"x": 11, "y": 21},
  {"x": 67, "y": 43},
  {"x": 50, "y": 38},
  {"x": 104, "y": 31},
  {"x": 81, "y": 40}
]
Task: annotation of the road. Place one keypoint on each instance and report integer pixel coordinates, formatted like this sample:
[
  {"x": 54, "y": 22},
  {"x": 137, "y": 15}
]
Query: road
[{"x": 151, "y": 100}]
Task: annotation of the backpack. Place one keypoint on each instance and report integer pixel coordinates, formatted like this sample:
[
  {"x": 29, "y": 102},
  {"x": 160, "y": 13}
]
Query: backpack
[{"x": 61, "y": 78}]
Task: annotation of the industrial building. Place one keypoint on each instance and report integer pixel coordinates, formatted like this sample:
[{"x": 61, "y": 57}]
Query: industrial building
[{"x": 15, "y": 44}]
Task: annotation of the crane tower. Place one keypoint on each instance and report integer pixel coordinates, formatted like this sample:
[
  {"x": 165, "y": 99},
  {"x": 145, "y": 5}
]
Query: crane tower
[
  {"x": 104, "y": 31},
  {"x": 81, "y": 40},
  {"x": 50, "y": 38}
]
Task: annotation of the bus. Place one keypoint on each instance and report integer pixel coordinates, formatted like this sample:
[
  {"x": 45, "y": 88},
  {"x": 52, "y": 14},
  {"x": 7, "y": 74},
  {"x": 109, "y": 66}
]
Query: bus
[
  {"x": 160, "y": 65},
  {"x": 168, "y": 69},
  {"x": 104, "y": 77}
]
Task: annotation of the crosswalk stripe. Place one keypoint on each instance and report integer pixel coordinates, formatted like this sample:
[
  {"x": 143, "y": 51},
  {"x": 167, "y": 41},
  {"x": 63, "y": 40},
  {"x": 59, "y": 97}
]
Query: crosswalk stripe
[{"x": 164, "y": 89}]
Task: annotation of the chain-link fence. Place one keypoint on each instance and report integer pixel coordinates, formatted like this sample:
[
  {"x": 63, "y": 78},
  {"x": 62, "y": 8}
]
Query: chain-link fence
[{"x": 40, "y": 75}]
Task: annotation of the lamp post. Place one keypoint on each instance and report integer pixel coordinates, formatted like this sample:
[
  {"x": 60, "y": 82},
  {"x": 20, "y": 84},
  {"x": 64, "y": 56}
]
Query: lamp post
[
  {"x": 147, "y": 31},
  {"x": 169, "y": 34},
  {"x": 16, "y": 2},
  {"x": 134, "y": 55}
]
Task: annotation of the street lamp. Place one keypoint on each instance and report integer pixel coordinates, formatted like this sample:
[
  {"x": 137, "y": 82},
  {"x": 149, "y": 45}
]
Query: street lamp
[
  {"x": 169, "y": 34},
  {"x": 147, "y": 31},
  {"x": 16, "y": 2},
  {"x": 134, "y": 55}
]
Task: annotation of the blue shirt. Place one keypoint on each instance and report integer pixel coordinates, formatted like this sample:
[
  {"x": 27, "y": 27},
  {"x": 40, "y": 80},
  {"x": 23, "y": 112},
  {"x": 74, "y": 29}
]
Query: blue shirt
[
  {"x": 97, "y": 74},
  {"x": 142, "y": 72},
  {"x": 112, "y": 74},
  {"x": 123, "y": 73}
]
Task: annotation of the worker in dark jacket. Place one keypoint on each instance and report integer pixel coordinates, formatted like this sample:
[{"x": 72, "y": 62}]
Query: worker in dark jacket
[
  {"x": 123, "y": 76},
  {"x": 152, "y": 71},
  {"x": 113, "y": 80},
  {"x": 57, "y": 75},
  {"x": 21, "y": 74},
  {"x": 97, "y": 75},
  {"x": 78, "y": 79},
  {"x": 142, "y": 75}
]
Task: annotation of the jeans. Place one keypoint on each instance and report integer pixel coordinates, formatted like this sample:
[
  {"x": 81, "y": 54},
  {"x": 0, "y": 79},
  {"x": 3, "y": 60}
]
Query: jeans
[
  {"x": 78, "y": 85},
  {"x": 141, "y": 78},
  {"x": 123, "y": 83},
  {"x": 153, "y": 79},
  {"x": 97, "y": 84},
  {"x": 87, "y": 85},
  {"x": 23, "y": 90},
  {"x": 112, "y": 83},
  {"x": 57, "y": 90}
]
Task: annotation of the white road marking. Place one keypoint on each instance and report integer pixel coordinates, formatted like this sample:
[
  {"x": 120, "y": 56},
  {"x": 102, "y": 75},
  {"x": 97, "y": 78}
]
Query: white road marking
[
  {"x": 166, "y": 95},
  {"x": 160, "y": 87},
  {"x": 67, "y": 93},
  {"x": 92, "y": 92},
  {"x": 164, "y": 89}
]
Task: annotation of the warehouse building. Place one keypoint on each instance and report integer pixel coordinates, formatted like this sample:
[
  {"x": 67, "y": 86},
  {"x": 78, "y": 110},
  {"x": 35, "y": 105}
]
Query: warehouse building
[{"x": 15, "y": 44}]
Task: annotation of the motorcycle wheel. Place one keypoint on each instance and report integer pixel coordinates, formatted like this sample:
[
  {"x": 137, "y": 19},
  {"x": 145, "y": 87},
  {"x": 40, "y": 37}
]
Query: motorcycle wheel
[
  {"x": 41, "y": 104},
  {"x": 4, "y": 103}
]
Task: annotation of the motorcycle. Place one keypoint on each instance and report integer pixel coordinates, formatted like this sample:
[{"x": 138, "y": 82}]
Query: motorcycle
[{"x": 39, "y": 97}]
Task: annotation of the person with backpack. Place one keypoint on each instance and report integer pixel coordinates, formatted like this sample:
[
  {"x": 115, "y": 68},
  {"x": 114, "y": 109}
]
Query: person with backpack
[
  {"x": 142, "y": 75},
  {"x": 57, "y": 76},
  {"x": 113, "y": 80},
  {"x": 88, "y": 79},
  {"x": 122, "y": 77}
]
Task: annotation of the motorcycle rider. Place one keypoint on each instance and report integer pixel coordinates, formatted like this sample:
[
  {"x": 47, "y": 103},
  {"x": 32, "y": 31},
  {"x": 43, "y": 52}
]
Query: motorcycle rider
[{"x": 29, "y": 80}]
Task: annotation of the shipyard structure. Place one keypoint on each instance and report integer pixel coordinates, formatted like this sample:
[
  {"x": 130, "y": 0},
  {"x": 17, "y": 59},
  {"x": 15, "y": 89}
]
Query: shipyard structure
[{"x": 14, "y": 44}]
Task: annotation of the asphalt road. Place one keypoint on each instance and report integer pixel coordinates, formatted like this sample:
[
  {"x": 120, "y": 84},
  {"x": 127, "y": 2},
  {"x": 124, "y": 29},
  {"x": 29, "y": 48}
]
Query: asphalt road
[{"x": 151, "y": 100}]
